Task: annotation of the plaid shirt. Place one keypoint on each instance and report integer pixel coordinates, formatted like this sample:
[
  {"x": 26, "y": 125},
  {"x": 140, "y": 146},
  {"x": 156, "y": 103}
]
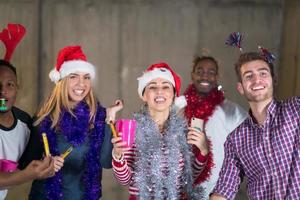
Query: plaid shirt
[{"x": 268, "y": 155}]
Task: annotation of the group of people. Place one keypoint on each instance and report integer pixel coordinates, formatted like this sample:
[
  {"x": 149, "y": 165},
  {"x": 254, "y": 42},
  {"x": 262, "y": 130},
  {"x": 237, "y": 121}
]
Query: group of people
[{"x": 169, "y": 159}]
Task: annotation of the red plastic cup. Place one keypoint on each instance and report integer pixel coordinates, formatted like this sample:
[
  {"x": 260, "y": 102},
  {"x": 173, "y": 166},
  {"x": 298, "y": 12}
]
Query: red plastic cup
[
  {"x": 127, "y": 128},
  {"x": 8, "y": 165}
]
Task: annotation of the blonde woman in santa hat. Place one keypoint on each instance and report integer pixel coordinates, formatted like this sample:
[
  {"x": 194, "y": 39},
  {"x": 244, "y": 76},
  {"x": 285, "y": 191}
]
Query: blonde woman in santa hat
[
  {"x": 161, "y": 164},
  {"x": 72, "y": 118}
]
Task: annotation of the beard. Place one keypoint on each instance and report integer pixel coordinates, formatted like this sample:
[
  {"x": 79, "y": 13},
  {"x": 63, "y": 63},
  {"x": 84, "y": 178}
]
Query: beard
[{"x": 259, "y": 98}]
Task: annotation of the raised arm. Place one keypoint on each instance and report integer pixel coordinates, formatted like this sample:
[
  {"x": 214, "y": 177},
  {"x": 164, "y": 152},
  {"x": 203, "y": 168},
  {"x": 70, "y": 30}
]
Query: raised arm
[
  {"x": 230, "y": 176},
  {"x": 122, "y": 161},
  {"x": 200, "y": 150},
  {"x": 112, "y": 110}
]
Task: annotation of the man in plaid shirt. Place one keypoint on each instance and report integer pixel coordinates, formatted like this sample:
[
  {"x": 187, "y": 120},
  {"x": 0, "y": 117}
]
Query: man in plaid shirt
[{"x": 265, "y": 148}]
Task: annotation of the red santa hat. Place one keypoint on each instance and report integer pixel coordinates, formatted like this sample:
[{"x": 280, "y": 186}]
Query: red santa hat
[
  {"x": 162, "y": 70},
  {"x": 71, "y": 59}
]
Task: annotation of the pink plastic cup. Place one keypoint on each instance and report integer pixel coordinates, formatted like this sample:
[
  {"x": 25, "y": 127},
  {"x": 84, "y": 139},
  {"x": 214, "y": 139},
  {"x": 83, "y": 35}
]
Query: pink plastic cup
[
  {"x": 127, "y": 128},
  {"x": 8, "y": 165}
]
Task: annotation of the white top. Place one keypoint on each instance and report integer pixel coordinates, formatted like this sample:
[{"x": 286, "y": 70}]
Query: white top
[
  {"x": 223, "y": 121},
  {"x": 3, "y": 194},
  {"x": 14, "y": 139}
]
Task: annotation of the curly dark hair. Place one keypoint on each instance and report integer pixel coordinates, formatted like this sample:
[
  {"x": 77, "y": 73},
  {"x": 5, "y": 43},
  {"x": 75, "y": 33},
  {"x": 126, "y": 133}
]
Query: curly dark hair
[{"x": 198, "y": 59}]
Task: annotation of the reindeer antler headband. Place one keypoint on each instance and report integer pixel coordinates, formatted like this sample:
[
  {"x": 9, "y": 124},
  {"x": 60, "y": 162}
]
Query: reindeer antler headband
[{"x": 11, "y": 36}]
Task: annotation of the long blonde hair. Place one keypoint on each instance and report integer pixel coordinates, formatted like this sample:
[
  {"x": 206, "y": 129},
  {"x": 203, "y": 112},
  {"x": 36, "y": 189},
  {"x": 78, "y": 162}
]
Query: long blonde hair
[{"x": 59, "y": 99}]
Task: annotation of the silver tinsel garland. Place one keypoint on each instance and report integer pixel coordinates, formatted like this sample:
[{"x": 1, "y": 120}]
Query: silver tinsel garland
[{"x": 151, "y": 180}]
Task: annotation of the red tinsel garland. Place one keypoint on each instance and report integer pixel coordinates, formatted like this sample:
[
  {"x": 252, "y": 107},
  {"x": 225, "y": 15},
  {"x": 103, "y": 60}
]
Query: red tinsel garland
[{"x": 203, "y": 108}]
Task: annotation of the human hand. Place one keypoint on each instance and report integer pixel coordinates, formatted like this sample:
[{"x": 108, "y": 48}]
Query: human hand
[
  {"x": 40, "y": 169},
  {"x": 119, "y": 146},
  {"x": 58, "y": 163},
  {"x": 198, "y": 139},
  {"x": 112, "y": 110},
  {"x": 216, "y": 197}
]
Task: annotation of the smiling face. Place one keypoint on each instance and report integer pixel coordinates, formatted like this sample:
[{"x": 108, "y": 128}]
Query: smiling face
[
  {"x": 205, "y": 76},
  {"x": 79, "y": 85},
  {"x": 256, "y": 81},
  {"x": 8, "y": 87},
  {"x": 159, "y": 95}
]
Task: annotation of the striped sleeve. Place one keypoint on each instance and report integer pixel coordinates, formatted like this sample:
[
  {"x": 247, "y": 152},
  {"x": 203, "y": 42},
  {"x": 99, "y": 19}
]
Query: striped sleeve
[
  {"x": 123, "y": 168},
  {"x": 199, "y": 163}
]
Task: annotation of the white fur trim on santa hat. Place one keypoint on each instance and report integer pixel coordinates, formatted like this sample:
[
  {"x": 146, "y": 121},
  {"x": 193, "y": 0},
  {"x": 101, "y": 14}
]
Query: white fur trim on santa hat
[
  {"x": 72, "y": 66},
  {"x": 148, "y": 76},
  {"x": 180, "y": 102},
  {"x": 54, "y": 75}
]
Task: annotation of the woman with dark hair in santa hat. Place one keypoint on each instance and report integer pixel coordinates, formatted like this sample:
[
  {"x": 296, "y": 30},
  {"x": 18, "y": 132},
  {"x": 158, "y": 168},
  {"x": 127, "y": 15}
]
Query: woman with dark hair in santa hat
[
  {"x": 160, "y": 164},
  {"x": 72, "y": 118}
]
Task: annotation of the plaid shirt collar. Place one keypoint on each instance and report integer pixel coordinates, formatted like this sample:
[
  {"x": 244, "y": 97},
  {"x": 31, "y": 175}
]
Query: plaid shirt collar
[{"x": 271, "y": 113}]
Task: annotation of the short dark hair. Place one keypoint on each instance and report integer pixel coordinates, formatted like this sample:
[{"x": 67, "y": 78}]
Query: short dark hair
[
  {"x": 248, "y": 57},
  {"x": 198, "y": 59},
  {"x": 4, "y": 63}
]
